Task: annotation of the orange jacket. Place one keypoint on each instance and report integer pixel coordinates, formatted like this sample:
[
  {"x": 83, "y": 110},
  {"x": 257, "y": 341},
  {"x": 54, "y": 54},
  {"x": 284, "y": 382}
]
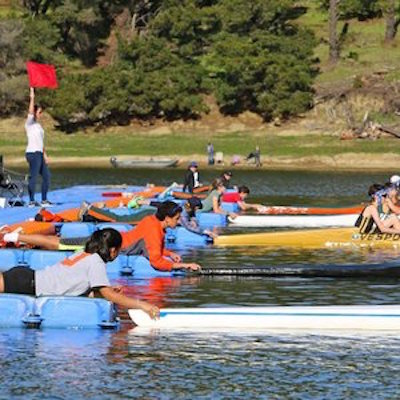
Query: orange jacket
[{"x": 151, "y": 231}]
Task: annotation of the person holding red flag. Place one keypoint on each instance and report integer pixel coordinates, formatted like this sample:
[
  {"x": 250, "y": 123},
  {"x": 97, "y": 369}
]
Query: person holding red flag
[{"x": 35, "y": 153}]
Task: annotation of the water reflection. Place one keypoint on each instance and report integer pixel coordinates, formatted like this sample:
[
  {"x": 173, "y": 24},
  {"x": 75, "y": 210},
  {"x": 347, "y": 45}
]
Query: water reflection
[{"x": 51, "y": 364}]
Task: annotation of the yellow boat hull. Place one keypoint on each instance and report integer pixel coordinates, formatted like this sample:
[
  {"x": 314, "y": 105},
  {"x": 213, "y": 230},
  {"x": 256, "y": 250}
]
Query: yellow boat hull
[{"x": 312, "y": 239}]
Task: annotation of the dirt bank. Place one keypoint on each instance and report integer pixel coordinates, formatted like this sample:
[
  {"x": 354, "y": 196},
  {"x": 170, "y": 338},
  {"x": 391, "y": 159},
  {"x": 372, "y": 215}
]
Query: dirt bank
[{"x": 343, "y": 162}]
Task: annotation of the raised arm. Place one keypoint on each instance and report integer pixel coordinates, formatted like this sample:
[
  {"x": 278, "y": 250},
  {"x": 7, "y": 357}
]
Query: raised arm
[{"x": 31, "y": 109}]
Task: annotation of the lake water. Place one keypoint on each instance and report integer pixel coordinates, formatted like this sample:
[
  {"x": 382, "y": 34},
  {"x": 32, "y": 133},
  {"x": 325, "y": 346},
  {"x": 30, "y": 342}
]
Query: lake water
[{"x": 131, "y": 363}]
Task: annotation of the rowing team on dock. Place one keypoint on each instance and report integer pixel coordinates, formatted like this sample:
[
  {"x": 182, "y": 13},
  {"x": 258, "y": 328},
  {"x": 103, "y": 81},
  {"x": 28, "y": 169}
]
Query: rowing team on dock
[{"x": 84, "y": 273}]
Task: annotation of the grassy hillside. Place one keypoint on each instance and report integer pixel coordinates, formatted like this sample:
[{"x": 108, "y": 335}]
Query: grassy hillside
[{"x": 368, "y": 72}]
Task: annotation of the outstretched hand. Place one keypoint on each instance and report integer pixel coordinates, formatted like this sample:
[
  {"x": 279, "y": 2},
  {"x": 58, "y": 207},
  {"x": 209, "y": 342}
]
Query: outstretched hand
[
  {"x": 210, "y": 234},
  {"x": 152, "y": 310},
  {"x": 175, "y": 257},
  {"x": 191, "y": 266}
]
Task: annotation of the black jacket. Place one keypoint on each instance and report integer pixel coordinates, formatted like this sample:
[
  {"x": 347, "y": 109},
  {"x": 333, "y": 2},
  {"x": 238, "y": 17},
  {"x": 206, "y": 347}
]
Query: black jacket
[{"x": 188, "y": 182}]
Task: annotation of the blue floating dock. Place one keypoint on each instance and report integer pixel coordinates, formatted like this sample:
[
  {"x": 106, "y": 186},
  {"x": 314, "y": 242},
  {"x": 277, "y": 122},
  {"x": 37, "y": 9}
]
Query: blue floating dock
[
  {"x": 19, "y": 311},
  {"x": 137, "y": 266}
]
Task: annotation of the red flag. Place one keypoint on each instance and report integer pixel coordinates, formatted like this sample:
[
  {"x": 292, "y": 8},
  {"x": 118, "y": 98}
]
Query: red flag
[{"x": 41, "y": 75}]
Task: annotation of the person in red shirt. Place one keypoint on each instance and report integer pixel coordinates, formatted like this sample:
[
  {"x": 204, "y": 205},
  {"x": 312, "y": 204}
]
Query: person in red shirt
[{"x": 239, "y": 197}]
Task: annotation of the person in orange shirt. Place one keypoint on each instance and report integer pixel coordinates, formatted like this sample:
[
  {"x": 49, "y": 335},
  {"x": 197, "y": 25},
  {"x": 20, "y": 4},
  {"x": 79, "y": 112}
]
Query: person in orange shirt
[
  {"x": 149, "y": 235},
  {"x": 146, "y": 239}
]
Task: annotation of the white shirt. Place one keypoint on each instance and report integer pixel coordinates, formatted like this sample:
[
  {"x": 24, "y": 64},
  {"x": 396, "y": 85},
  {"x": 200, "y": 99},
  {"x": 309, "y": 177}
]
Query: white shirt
[
  {"x": 35, "y": 135},
  {"x": 196, "y": 179}
]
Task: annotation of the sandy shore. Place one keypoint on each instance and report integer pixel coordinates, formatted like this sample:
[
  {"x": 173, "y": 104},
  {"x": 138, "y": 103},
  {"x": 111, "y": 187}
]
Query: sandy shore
[{"x": 345, "y": 161}]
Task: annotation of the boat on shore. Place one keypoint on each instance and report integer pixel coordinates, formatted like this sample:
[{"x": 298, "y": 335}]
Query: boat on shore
[
  {"x": 313, "y": 239},
  {"x": 348, "y": 317},
  {"x": 139, "y": 163},
  {"x": 293, "y": 221}
]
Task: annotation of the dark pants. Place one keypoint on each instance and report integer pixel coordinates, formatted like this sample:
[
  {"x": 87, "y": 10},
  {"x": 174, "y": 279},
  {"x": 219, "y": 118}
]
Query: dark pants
[{"x": 37, "y": 166}]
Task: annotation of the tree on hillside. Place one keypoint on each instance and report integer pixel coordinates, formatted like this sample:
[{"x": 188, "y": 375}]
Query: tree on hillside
[
  {"x": 39, "y": 7},
  {"x": 12, "y": 68},
  {"x": 250, "y": 56},
  {"x": 390, "y": 11},
  {"x": 142, "y": 12},
  {"x": 333, "y": 36}
]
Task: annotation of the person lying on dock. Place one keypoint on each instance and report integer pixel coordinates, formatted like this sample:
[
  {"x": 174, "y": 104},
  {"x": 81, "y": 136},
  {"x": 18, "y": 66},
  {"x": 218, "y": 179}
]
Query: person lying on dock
[
  {"x": 146, "y": 239},
  {"x": 78, "y": 275},
  {"x": 239, "y": 198},
  {"x": 188, "y": 218},
  {"x": 374, "y": 218},
  {"x": 90, "y": 213},
  {"x": 212, "y": 203},
  {"x": 149, "y": 237}
]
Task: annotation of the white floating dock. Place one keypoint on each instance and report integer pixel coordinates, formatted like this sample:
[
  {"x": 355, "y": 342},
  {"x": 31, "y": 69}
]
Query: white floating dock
[{"x": 354, "y": 317}]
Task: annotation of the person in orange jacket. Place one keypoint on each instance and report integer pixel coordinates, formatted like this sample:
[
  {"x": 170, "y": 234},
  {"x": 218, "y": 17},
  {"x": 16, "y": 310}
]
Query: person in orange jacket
[
  {"x": 149, "y": 236},
  {"x": 146, "y": 239}
]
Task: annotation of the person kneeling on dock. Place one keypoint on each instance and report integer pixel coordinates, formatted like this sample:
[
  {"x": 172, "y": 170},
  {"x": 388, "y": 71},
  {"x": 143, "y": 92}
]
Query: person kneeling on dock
[{"x": 77, "y": 275}]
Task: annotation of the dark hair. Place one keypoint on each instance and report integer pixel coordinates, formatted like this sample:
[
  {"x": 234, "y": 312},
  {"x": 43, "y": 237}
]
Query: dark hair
[
  {"x": 102, "y": 241},
  {"x": 244, "y": 189},
  {"x": 191, "y": 205},
  {"x": 36, "y": 107},
  {"x": 374, "y": 188},
  {"x": 167, "y": 209}
]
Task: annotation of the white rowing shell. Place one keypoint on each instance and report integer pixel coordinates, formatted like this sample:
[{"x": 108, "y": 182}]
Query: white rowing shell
[
  {"x": 356, "y": 317},
  {"x": 294, "y": 221}
]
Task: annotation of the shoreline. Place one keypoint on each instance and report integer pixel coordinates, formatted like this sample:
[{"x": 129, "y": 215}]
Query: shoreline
[{"x": 349, "y": 162}]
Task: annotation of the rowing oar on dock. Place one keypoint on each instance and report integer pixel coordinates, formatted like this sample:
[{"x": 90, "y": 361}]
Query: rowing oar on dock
[{"x": 387, "y": 269}]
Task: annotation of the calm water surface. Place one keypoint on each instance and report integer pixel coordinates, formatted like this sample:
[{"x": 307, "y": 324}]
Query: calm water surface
[{"x": 132, "y": 363}]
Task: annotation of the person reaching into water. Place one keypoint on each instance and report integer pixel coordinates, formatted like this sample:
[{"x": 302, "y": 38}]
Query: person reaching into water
[
  {"x": 52, "y": 242},
  {"x": 77, "y": 275},
  {"x": 212, "y": 203},
  {"x": 146, "y": 239},
  {"x": 240, "y": 197},
  {"x": 188, "y": 218},
  {"x": 35, "y": 153},
  {"x": 376, "y": 217},
  {"x": 149, "y": 237}
]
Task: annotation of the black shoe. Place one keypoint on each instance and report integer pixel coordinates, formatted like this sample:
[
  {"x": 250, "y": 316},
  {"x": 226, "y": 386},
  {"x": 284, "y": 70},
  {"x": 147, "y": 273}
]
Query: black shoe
[{"x": 33, "y": 203}]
